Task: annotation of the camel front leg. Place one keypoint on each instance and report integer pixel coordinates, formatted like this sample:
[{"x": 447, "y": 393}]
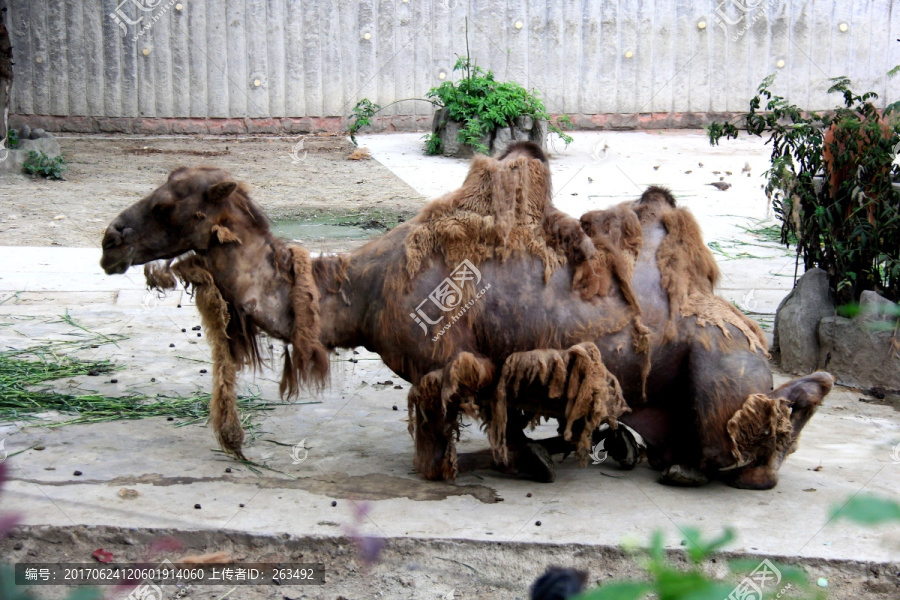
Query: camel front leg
[
  {"x": 573, "y": 386},
  {"x": 215, "y": 317}
]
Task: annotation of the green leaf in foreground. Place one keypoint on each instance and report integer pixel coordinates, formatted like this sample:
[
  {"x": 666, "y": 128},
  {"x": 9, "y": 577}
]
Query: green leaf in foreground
[
  {"x": 626, "y": 590},
  {"x": 868, "y": 510}
]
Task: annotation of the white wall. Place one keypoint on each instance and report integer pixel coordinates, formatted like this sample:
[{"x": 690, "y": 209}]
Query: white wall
[{"x": 312, "y": 58}]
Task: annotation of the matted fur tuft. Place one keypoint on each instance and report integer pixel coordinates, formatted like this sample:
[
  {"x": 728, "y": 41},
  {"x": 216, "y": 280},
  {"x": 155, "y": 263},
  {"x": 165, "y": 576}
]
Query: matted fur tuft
[
  {"x": 307, "y": 363},
  {"x": 159, "y": 276},
  {"x": 434, "y": 424},
  {"x": 214, "y": 313},
  {"x": 570, "y": 385},
  {"x": 689, "y": 273},
  {"x": 503, "y": 207},
  {"x": 760, "y": 431}
]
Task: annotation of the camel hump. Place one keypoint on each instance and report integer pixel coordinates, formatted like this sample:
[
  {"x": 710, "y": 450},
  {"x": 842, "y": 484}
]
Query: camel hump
[
  {"x": 526, "y": 149},
  {"x": 657, "y": 194}
]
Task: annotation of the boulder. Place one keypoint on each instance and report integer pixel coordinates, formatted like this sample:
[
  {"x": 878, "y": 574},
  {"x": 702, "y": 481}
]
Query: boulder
[
  {"x": 863, "y": 351},
  {"x": 797, "y": 319},
  {"x": 12, "y": 162}
]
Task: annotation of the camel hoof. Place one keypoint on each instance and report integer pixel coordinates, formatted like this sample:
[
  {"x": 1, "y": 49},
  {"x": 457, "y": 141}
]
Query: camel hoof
[
  {"x": 682, "y": 476},
  {"x": 535, "y": 462}
]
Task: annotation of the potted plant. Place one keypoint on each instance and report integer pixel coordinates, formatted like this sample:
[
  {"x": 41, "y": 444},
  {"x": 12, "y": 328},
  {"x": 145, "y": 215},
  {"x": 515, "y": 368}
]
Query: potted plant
[
  {"x": 480, "y": 114},
  {"x": 476, "y": 114}
]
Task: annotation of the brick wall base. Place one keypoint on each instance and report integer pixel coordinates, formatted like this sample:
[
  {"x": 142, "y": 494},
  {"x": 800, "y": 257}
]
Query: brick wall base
[{"x": 306, "y": 125}]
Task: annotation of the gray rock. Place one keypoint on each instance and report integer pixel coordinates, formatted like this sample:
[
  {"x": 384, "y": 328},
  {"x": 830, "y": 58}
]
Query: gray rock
[
  {"x": 539, "y": 134},
  {"x": 47, "y": 145},
  {"x": 440, "y": 117},
  {"x": 449, "y": 134},
  {"x": 860, "y": 351},
  {"x": 12, "y": 162},
  {"x": 797, "y": 321},
  {"x": 503, "y": 137},
  {"x": 24, "y": 132},
  {"x": 37, "y": 133},
  {"x": 525, "y": 129},
  {"x": 874, "y": 307}
]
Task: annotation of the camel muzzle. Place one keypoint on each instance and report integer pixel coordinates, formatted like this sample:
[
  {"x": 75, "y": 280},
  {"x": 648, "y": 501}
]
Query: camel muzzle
[{"x": 118, "y": 252}]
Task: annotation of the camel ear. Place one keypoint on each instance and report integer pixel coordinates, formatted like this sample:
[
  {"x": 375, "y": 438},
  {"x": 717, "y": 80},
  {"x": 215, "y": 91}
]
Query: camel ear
[
  {"x": 225, "y": 235},
  {"x": 220, "y": 191}
]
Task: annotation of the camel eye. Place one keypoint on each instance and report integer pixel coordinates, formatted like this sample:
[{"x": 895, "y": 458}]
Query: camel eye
[{"x": 163, "y": 209}]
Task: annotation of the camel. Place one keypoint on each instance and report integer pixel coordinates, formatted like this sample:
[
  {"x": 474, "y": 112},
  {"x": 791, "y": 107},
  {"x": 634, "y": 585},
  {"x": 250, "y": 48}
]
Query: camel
[{"x": 495, "y": 305}]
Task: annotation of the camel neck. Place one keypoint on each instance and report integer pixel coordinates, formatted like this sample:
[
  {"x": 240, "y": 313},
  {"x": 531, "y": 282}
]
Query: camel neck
[
  {"x": 341, "y": 311},
  {"x": 253, "y": 276}
]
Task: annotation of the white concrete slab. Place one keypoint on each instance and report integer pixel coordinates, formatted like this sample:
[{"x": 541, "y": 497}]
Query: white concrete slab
[{"x": 359, "y": 450}]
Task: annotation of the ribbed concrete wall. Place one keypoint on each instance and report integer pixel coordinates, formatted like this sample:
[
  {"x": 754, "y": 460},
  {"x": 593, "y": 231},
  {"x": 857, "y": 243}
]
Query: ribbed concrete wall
[{"x": 214, "y": 59}]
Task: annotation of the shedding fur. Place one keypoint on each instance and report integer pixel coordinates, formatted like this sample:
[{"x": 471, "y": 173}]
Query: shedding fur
[
  {"x": 760, "y": 431},
  {"x": 504, "y": 206},
  {"x": 572, "y": 385},
  {"x": 307, "y": 362},
  {"x": 689, "y": 273},
  {"x": 462, "y": 380},
  {"x": 225, "y": 235},
  {"x": 159, "y": 276},
  {"x": 214, "y": 313}
]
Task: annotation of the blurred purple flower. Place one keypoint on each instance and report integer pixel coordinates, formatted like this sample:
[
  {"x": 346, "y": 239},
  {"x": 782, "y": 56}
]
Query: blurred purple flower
[{"x": 7, "y": 520}]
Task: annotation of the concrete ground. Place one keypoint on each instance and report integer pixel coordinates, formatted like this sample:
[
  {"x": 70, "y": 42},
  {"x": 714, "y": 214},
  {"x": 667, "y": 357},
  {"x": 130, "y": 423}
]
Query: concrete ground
[{"x": 350, "y": 444}]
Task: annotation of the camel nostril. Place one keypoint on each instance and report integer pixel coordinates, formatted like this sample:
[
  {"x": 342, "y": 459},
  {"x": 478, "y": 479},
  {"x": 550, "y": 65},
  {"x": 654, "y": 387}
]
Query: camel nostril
[{"x": 128, "y": 233}]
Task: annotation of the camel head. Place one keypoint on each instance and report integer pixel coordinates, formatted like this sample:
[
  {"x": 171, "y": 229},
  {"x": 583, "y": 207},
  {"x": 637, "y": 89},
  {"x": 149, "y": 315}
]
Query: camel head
[{"x": 185, "y": 213}]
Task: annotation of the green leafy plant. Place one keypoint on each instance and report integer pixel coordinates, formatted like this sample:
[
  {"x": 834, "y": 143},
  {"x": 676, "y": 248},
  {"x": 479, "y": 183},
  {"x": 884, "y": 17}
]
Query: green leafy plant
[
  {"x": 830, "y": 183},
  {"x": 668, "y": 582},
  {"x": 38, "y": 163},
  {"x": 478, "y": 101},
  {"x": 868, "y": 510},
  {"x": 482, "y": 104},
  {"x": 363, "y": 113},
  {"x": 12, "y": 139}
]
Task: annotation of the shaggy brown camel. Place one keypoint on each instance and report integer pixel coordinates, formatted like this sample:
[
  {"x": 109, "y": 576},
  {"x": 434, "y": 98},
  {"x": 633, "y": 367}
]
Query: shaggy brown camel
[{"x": 494, "y": 304}]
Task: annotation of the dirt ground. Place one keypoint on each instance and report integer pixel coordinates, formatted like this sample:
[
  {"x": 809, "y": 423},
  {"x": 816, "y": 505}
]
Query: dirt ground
[
  {"x": 106, "y": 175},
  {"x": 407, "y": 568}
]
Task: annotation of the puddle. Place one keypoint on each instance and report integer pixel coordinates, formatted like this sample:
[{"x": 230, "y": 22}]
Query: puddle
[
  {"x": 320, "y": 229},
  {"x": 373, "y": 486}
]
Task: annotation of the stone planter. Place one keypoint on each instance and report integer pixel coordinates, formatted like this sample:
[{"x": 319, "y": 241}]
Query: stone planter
[
  {"x": 12, "y": 162},
  {"x": 859, "y": 352},
  {"x": 525, "y": 129}
]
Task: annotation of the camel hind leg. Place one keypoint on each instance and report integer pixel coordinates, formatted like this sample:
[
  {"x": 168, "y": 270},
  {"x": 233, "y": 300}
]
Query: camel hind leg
[{"x": 434, "y": 406}]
